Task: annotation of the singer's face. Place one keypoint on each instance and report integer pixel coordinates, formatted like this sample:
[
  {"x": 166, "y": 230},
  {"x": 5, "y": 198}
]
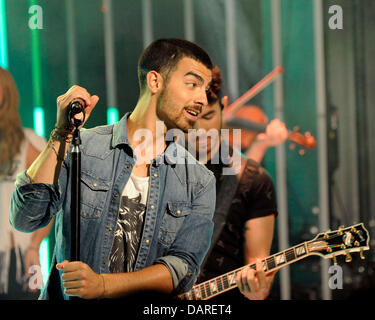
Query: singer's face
[
  {"x": 208, "y": 128},
  {"x": 184, "y": 95}
]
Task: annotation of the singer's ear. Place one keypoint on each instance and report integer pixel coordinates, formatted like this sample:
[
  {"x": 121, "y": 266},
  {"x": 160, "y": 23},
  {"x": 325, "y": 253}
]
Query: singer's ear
[{"x": 154, "y": 81}]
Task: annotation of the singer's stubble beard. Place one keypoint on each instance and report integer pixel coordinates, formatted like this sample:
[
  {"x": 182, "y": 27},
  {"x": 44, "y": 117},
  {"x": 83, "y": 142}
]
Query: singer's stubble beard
[{"x": 172, "y": 117}]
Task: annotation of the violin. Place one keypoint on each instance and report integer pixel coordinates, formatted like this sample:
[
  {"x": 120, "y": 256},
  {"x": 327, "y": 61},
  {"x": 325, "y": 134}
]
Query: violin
[{"x": 253, "y": 120}]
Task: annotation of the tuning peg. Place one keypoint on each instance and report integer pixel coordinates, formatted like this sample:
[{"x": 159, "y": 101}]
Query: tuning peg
[
  {"x": 334, "y": 260},
  {"x": 340, "y": 230},
  {"x": 356, "y": 243},
  {"x": 361, "y": 254},
  {"x": 348, "y": 257}
]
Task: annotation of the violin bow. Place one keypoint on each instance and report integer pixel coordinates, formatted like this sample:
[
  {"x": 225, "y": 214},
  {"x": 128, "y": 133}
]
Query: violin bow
[{"x": 228, "y": 112}]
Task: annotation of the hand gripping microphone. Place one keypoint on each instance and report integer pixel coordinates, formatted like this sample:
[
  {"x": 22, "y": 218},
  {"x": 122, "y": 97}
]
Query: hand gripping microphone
[{"x": 77, "y": 106}]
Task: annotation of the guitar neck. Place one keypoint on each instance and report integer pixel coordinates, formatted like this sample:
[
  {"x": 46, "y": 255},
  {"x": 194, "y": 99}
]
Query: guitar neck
[{"x": 227, "y": 281}]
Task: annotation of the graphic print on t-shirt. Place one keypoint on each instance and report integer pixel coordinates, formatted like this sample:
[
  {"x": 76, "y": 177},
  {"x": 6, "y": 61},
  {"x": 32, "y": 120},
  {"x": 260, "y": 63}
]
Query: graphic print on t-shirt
[{"x": 129, "y": 226}]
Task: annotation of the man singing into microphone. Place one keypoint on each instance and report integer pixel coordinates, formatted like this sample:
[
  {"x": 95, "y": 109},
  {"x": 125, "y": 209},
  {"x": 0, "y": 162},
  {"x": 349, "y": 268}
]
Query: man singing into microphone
[{"x": 146, "y": 203}]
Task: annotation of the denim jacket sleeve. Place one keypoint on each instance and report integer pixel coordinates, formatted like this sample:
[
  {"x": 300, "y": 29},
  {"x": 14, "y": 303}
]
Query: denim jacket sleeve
[
  {"x": 192, "y": 241},
  {"x": 33, "y": 205}
]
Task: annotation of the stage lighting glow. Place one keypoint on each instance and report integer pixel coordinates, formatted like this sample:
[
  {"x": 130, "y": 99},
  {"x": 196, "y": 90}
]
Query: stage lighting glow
[
  {"x": 39, "y": 127},
  {"x": 44, "y": 259},
  {"x": 3, "y": 36},
  {"x": 112, "y": 115},
  {"x": 39, "y": 121}
]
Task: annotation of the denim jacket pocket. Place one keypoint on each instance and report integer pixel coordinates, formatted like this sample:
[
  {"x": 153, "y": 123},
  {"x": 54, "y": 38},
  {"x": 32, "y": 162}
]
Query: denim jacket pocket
[
  {"x": 93, "y": 195},
  {"x": 172, "y": 221}
]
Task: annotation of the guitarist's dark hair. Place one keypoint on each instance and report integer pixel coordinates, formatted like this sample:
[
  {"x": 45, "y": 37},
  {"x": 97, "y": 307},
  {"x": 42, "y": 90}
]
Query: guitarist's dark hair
[{"x": 214, "y": 91}]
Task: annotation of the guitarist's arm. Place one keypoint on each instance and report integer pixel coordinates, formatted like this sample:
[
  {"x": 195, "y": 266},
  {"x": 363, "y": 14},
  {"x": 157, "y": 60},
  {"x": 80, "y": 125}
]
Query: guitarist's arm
[
  {"x": 276, "y": 133},
  {"x": 258, "y": 239}
]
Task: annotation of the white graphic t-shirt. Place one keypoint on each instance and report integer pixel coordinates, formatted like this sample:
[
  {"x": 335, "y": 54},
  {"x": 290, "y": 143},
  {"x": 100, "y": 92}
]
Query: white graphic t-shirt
[{"x": 129, "y": 225}]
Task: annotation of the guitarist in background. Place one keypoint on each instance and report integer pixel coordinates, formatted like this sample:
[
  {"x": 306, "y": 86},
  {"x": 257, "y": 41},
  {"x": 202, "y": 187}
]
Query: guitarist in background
[{"x": 248, "y": 225}]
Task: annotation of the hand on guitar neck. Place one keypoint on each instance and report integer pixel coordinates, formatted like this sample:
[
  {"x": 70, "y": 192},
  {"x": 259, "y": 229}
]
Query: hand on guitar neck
[{"x": 255, "y": 284}]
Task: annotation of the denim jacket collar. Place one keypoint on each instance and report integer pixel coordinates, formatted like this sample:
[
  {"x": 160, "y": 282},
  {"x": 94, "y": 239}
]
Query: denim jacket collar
[{"x": 120, "y": 131}]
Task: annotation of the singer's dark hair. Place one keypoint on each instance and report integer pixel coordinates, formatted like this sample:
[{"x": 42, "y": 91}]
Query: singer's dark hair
[{"x": 163, "y": 56}]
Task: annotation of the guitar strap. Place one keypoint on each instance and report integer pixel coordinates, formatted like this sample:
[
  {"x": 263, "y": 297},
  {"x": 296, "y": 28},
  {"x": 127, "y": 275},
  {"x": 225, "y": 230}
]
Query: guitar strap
[{"x": 224, "y": 197}]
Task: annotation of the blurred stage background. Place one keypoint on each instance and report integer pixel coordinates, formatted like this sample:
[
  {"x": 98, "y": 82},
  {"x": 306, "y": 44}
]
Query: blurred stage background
[{"x": 327, "y": 88}]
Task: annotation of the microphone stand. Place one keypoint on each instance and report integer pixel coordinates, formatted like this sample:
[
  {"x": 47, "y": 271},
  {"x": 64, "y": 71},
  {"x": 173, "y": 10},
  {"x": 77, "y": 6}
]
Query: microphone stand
[
  {"x": 75, "y": 205},
  {"x": 76, "y": 195}
]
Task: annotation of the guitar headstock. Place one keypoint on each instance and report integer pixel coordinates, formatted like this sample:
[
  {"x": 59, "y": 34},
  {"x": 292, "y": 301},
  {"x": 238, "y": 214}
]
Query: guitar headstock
[
  {"x": 306, "y": 141},
  {"x": 342, "y": 241}
]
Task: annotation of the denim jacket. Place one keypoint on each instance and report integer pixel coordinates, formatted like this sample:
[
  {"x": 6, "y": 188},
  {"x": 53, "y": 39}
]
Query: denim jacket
[{"x": 178, "y": 219}]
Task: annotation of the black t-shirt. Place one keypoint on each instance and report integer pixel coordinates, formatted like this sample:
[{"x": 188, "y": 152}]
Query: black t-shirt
[{"x": 255, "y": 197}]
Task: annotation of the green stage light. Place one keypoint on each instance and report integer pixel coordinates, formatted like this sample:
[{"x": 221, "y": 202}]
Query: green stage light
[
  {"x": 112, "y": 115},
  {"x": 39, "y": 121},
  {"x": 44, "y": 259},
  {"x": 39, "y": 124},
  {"x": 3, "y": 36}
]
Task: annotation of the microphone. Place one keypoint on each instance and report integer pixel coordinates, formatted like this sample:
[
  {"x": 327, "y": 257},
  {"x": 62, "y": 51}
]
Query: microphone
[{"x": 76, "y": 106}]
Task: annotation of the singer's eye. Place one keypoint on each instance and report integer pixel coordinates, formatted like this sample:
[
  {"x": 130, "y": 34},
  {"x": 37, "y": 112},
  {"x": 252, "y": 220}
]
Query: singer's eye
[{"x": 191, "y": 84}]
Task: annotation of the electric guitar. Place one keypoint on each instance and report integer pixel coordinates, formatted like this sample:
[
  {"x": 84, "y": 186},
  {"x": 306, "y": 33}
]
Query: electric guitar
[{"x": 327, "y": 245}]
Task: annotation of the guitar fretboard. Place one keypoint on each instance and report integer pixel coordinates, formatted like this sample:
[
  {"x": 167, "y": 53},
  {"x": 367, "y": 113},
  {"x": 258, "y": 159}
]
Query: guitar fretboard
[{"x": 227, "y": 281}]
